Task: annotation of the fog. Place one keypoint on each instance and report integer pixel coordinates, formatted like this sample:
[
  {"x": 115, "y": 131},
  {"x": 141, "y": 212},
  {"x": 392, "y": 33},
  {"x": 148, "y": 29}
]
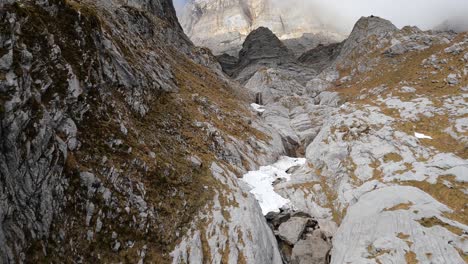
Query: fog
[
  {"x": 179, "y": 4},
  {"x": 342, "y": 14},
  {"x": 426, "y": 14}
]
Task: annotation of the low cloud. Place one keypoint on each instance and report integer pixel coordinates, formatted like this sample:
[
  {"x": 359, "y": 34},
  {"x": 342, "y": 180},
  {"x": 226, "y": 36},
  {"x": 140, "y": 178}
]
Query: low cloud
[
  {"x": 178, "y": 5},
  {"x": 342, "y": 14},
  {"x": 426, "y": 14}
]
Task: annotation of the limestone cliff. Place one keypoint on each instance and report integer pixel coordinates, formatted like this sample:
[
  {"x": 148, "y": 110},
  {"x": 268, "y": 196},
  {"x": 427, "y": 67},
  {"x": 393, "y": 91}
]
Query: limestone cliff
[
  {"x": 119, "y": 140},
  {"x": 222, "y": 25},
  {"x": 382, "y": 122}
]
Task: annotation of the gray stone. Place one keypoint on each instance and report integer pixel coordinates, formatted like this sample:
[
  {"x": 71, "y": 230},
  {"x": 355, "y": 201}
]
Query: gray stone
[
  {"x": 452, "y": 79},
  {"x": 312, "y": 250},
  {"x": 7, "y": 60},
  {"x": 196, "y": 161},
  {"x": 329, "y": 99},
  {"x": 199, "y": 20},
  {"x": 407, "y": 89},
  {"x": 116, "y": 246},
  {"x": 291, "y": 231},
  {"x": 90, "y": 235},
  {"x": 363, "y": 29}
]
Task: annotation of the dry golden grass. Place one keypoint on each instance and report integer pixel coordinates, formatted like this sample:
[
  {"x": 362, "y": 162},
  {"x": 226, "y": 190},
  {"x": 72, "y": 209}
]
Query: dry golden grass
[
  {"x": 392, "y": 157},
  {"x": 435, "y": 128},
  {"x": 410, "y": 258},
  {"x": 452, "y": 197},
  {"x": 402, "y": 206},
  {"x": 434, "y": 221},
  {"x": 410, "y": 70},
  {"x": 403, "y": 236}
]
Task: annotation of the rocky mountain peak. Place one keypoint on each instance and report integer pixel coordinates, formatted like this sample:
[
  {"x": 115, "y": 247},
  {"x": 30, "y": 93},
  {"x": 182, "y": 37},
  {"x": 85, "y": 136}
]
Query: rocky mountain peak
[
  {"x": 99, "y": 149},
  {"x": 373, "y": 25},
  {"x": 364, "y": 28},
  {"x": 262, "y": 43},
  {"x": 223, "y": 25},
  {"x": 121, "y": 141},
  {"x": 163, "y": 9},
  {"x": 261, "y": 48}
]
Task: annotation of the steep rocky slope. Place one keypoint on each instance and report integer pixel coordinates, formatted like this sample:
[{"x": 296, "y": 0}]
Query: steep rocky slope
[
  {"x": 223, "y": 25},
  {"x": 383, "y": 126},
  {"x": 121, "y": 141}
]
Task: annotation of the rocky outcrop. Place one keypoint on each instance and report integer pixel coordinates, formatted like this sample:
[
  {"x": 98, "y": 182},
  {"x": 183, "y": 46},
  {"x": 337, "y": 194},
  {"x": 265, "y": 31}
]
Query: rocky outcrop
[
  {"x": 456, "y": 23},
  {"x": 112, "y": 147},
  {"x": 261, "y": 48},
  {"x": 223, "y": 25},
  {"x": 321, "y": 57},
  {"x": 384, "y": 132},
  {"x": 309, "y": 41},
  {"x": 300, "y": 238},
  {"x": 263, "y": 44}
]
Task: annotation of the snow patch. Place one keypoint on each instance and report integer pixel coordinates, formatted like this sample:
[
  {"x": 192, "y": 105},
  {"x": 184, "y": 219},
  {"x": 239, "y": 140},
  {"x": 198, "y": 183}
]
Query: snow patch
[
  {"x": 421, "y": 136},
  {"x": 258, "y": 108},
  {"x": 261, "y": 182}
]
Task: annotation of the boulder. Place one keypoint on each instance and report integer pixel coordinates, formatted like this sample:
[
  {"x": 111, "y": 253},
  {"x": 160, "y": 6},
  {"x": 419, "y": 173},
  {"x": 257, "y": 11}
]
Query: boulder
[
  {"x": 313, "y": 250},
  {"x": 452, "y": 79},
  {"x": 291, "y": 231},
  {"x": 322, "y": 56}
]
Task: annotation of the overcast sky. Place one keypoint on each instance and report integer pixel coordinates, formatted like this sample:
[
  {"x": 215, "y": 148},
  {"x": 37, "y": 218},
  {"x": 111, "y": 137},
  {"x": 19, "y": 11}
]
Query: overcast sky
[{"x": 422, "y": 13}]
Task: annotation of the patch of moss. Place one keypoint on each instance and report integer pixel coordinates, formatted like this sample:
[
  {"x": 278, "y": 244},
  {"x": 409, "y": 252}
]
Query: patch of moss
[
  {"x": 73, "y": 28},
  {"x": 392, "y": 157},
  {"x": 402, "y": 206},
  {"x": 411, "y": 258},
  {"x": 434, "y": 221},
  {"x": 453, "y": 197}
]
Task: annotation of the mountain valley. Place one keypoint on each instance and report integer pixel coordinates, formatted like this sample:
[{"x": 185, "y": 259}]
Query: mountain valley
[{"x": 239, "y": 135}]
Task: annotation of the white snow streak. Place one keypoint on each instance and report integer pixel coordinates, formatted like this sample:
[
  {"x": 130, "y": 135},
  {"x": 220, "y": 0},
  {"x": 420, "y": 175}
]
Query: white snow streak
[
  {"x": 421, "y": 136},
  {"x": 261, "y": 182},
  {"x": 258, "y": 108}
]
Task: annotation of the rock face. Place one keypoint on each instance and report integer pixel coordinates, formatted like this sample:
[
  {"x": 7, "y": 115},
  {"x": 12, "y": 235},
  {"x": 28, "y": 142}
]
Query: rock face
[
  {"x": 262, "y": 44},
  {"x": 222, "y": 25},
  {"x": 383, "y": 127},
  {"x": 300, "y": 238},
  {"x": 121, "y": 141},
  {"x": 363, "y": 29},
  {"x": 111, "y": 145},
  {"x": 261, "y": 48},
  {"x": 309, "y": 41},
  {"x": 456, "y": 23},
  {"x": 322, "y": 56}
]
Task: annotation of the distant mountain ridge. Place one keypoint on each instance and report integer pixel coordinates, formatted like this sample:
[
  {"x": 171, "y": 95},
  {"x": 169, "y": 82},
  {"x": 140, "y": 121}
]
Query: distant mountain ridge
[{"x": 223, "y": 25}]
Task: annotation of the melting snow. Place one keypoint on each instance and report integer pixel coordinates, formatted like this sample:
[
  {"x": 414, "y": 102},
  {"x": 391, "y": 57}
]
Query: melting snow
[
  {"x": 261, "y": 182},
  {"x": 258, "y": 108},
  {"x": 421, "y": 136}
]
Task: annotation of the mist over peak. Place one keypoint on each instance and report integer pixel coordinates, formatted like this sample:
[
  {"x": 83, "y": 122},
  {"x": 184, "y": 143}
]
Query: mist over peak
[{"x": 341, "y": 15}]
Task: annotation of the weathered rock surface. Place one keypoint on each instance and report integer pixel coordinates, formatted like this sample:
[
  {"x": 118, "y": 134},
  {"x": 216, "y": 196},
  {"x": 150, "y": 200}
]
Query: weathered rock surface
[
  {"x": 363, "y": 29},
  {"x": 309, "y": 41},
  {"x": 300, "y": 238},
  {"x": 321, "y": 57},
  {"x": 292, "y": 230},
  {"x": 112, "y": 146},
  {"x": 315, "y": 249},
  {"x": 380, "y": 111},
  {"x": 223, "y": 25},
  {"x": 261, "y": 48}
]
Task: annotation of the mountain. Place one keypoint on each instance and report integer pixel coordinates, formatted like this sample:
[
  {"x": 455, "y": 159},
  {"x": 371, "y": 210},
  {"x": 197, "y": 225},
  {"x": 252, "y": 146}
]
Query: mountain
[
  {"x": 121, "y": 141},
  {"x": 381, "y": 123},
  {"x": 222, "y": 25},
  {"x": 457, "y": 24}
]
